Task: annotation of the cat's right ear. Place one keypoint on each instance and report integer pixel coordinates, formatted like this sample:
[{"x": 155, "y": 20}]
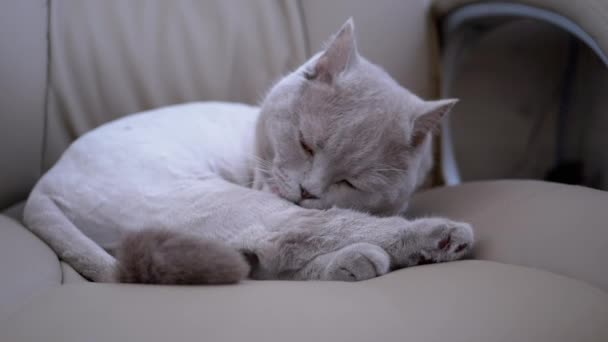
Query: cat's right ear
[
  {"x": 429, "y": 120},
  {"x": 339, "y": 55}
]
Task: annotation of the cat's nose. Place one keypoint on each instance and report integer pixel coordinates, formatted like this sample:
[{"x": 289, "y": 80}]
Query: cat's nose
[{"x": 305, "y": 194}]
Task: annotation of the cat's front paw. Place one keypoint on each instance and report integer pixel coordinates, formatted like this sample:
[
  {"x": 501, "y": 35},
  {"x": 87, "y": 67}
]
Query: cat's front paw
[
  {"x": 356, "y": 262},
  {"x": 441, "y": 240}
]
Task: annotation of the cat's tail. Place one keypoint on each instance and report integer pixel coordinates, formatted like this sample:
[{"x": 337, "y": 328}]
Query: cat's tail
[{"x": 156, "y": 256}]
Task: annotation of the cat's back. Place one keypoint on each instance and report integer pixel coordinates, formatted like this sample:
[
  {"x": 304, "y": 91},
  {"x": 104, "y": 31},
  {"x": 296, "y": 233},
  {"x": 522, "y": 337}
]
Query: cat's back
[
  {"x": 169, "y": 141},
  {"x": 139, "y": 164}
]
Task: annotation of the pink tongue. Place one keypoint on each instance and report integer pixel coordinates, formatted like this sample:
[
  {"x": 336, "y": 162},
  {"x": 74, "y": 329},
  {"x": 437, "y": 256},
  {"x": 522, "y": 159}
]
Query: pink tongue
[{"x": 274, "y": 189}]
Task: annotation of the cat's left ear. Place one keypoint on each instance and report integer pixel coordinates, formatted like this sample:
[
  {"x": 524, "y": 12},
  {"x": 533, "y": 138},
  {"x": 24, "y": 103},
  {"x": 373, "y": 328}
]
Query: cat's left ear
[
  {"x": 340, "y": 54},
  {"x": 429, "y": 120}
]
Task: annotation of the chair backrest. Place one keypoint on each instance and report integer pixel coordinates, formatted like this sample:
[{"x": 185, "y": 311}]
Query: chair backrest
[
  {"x": 590, "y": 15},
  {"x": 71, "y": 65}
]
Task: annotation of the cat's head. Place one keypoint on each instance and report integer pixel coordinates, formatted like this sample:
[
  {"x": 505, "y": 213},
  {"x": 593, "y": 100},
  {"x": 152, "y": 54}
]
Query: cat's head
[{"x": 339, "y": 131}]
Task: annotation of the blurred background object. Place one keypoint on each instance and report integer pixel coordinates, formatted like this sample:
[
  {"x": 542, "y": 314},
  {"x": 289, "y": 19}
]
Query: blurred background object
[{"x": 531, "y": 95}]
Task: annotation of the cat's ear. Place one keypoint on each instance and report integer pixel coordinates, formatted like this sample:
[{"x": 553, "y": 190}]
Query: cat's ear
[
  {"x": 339, "y": 55},
  {"x": 429, "y": 120}
]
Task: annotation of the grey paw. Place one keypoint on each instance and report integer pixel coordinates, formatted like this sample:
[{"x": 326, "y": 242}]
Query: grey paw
[
  {"x": 356, "y": 262},
  {"x": 444, "y": 240}
]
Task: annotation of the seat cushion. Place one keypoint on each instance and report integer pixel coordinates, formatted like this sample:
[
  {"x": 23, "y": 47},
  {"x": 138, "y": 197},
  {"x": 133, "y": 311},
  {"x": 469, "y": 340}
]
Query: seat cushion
[
  {"x": 28, "y": 267},
  {"x": 556, "y": 227},
  {"x": 15, "y": 211},
  {"x": 461, "y": 301},
  {"x": 524, "y": 222}
]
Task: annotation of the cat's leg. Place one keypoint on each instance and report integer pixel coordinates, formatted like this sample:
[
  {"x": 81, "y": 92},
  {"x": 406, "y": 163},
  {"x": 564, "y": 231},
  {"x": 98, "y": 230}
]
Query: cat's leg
[
  {"x": 280, "y": 239},
  {"x": 359, "y": 261},
  {"x": 342, "y": 240},
  {"x": 423, "y": 241},
  {"x": 45, "y": 219}
]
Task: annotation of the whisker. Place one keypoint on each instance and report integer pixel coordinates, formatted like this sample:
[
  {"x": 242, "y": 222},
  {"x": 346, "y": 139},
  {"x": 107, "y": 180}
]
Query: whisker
[
  {"x": 263, "y": 170},
  {"x": 261, "y": 161},
  {"x": 387, "y": 168}
]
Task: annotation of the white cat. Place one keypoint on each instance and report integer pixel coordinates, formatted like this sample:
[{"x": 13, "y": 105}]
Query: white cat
[{"x": 309, "y": 186}]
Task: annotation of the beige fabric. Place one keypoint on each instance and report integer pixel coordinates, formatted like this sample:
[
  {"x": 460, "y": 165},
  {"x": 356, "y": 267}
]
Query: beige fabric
[
  {"x": 550, "y": 226},
  {"x": 463, "y": 301},
  {"x": 591, "y": 15},
  {"x": 111, "y": 58},
  {"x": 393, "y": 34},
  {"x": 28, "y": 267},
  {"x": 23, "y": 60}
]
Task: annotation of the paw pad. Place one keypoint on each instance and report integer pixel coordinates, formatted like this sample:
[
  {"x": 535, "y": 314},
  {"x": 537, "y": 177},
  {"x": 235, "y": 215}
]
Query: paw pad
[
  {"x": 421, "y": 259},
  {"x": 460, "y": 248},
  {"x": 444, "y": 244}
]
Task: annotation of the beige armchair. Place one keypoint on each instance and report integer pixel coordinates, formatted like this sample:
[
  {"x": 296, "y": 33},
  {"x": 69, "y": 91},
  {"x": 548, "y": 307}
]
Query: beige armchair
[{"x": 67, "y": 66}]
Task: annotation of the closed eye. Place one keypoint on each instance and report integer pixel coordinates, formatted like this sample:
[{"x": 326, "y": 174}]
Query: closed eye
[
  {"x": 345, "y": 182},
  {"x": 305, "y": 147}
]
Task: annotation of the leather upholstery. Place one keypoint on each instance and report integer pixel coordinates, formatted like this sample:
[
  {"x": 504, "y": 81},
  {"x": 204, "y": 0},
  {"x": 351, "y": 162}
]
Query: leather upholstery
[
  {"x": 556, "y": 227},
  {"x": 69, "y": 275},
  {"x": 115, "y": 57},
  {"x": 15, "y": 211},
  {"x": 110, "y": 58},
  {"x": 462, "y": 301},
  {"x": 22, "y": 89},
  {"x": 397, "y": 35},
  {"x": 28, "y": 267}
]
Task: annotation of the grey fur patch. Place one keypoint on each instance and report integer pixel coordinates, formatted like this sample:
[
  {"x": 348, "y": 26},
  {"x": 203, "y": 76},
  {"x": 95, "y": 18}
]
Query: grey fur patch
[{"x": 158, "y": 256}]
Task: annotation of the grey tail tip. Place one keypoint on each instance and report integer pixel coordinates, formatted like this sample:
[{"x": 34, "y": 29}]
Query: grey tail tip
[{"x": 159, "y": 256}]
